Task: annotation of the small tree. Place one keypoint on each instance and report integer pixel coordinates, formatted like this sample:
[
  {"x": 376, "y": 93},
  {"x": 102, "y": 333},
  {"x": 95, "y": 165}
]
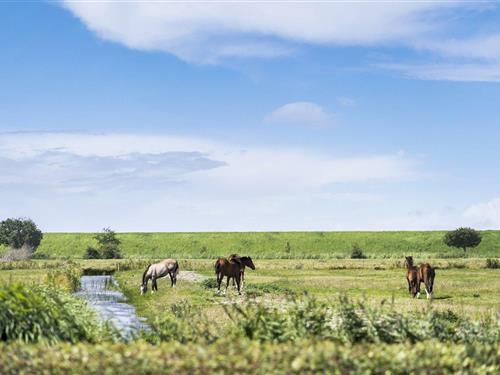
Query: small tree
[
  {"x": 108, "y": 244},
  {"x": 462, "y": 238},
  {"x": 20, "y": 234},
  {"x": 357, "y": 252}
]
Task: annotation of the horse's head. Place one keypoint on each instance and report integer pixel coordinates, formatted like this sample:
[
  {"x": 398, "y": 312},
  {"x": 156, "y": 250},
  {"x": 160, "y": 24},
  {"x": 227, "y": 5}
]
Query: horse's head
[
  {"x": 409, "y": 262},
  {"x": 144, "y": 288},
  {"x": 247, "y": 261}
]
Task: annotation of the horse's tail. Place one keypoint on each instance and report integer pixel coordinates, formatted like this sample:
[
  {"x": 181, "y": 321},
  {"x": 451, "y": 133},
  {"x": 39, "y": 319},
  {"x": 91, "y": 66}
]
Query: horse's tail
[
  {"x": 175, "y": 269},
  {"x": 145, "y": 273},
  {"x": 432, "y": 274},
  {"x": 217, "y": 266}
]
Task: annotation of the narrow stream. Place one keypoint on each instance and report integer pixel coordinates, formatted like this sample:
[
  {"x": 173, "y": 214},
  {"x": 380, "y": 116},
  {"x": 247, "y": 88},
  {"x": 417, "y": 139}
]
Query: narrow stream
[{"x": 102, "y": 294}]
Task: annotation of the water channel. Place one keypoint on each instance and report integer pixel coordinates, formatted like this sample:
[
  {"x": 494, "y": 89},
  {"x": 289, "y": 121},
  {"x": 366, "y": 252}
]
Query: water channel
[{"x": 102, "y": 294}]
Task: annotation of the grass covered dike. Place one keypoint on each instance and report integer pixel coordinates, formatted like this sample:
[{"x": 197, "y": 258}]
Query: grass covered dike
[{"x": 276, "y": 245}]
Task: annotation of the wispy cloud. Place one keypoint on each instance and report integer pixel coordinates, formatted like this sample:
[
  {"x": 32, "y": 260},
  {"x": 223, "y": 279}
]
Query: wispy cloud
[
  {"x": 205, "y": 32},
  {"x": 159, "y": 182},
  {"x": 300, "y": 113}
]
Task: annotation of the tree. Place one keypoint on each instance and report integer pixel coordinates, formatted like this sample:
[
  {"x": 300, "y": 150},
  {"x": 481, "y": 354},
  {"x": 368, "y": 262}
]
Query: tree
[
  {"x": 357, "y": 252},
  {"x": 108, "y": 246},
  {"x": 462, "y": 238},
  {"x": 20, "y": 233}
]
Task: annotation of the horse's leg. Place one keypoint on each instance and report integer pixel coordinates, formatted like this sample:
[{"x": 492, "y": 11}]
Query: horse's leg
[
  {"x": 171, "y": 280},
  {"x": 227, "y": 283},
  {"x": 242, "y": 279},
  {"x": 219, "y": 281},
  {"x": 238, "y": 281},
  {"x": 153, "y": 285},
  {"x": 409, "y": 285}
]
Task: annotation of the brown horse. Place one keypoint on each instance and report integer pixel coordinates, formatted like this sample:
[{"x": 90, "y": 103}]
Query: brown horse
[
  {"x": 412, "y": 277},
  {"x": 161, "y": 269},
  {"x": 231, "y": 269},
  {"x": 426, "y": 275},
  {"x": 236, "y": 256}
]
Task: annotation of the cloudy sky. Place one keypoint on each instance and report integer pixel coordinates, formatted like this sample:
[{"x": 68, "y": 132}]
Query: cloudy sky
[{"x": 236, "y": 116}]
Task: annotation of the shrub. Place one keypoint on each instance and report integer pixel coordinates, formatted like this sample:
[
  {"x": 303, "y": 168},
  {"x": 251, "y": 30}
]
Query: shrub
[
  {"x": 42, "y": 313},
  {"x": 357, "y": 252},
  {"x": 492, "y": 263},
  {"x": 92, "y": 253},
  {"x": 245, "y": 357},
  {"x": 350, "y": 322},
  {"x": 24, "y": 253}
]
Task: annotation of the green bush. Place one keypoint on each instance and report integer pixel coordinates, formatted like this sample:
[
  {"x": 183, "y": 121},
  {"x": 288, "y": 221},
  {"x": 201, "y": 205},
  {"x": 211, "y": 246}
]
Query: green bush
[
  {"x": 357, "y": 252},
  {"x": 43, "y": 313},
  {"x": 250, "y": 357}
]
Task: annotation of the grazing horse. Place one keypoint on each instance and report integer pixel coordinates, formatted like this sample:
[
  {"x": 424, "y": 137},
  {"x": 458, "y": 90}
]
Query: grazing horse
[
  {"x": 236, "y": 256},
  {"x": 426, "y": 275},
  {"x": 231, "y": 269},
  {"x": 161, "y": 269},
  {"x": 412, "y": 277}
]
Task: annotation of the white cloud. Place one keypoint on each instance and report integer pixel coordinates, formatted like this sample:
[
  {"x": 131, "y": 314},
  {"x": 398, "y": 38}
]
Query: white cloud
[
  {"x": 461, "y": 72},
  {"x": 485, "y": 215},
  {"x": 300, "y": 113},
  {"x": 205, "y": 32},
  {"x": 140, "y": 182}
]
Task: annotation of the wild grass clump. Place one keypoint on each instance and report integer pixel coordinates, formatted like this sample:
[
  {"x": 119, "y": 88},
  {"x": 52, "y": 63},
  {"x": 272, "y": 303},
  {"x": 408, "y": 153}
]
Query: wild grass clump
[
  {"x": 67, "y": 279},
  {"x": 44, "y": 313},
  {"x": 183, "y": 323},
  {"x": 350, "y": 322},
  {"x": 267, "y": 288},
  {"x": 492, "y": 263}
]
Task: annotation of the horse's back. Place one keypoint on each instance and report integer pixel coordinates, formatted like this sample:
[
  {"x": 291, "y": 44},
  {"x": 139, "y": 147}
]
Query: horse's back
[{"x": 426, "y": 271}]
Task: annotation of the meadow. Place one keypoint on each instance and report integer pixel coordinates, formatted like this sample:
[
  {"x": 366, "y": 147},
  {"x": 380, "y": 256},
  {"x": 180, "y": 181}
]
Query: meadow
[
  {"x": 272, "y": 245},
  {"x": 315, "y": 311}
]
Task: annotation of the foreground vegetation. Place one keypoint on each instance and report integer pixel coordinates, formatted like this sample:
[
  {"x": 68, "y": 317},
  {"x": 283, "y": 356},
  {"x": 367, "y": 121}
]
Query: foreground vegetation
[
  {"x": 250, "y": 357},
  {"x": 288, "y": 245},
  {"x": 295, "y": 316}
]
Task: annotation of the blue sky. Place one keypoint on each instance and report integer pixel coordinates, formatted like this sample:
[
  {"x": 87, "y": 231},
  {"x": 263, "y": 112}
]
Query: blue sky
[{"x": 250, "y": 116}]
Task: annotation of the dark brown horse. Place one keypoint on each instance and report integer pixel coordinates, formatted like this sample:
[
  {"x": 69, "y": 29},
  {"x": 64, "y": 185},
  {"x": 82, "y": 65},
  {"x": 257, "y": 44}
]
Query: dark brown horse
[
  {"x": 412, "y": 277},
  {"x": 236, "y": 256},
  {"x": 426, "y": 275},
  {"x": 231, "y": 268}
]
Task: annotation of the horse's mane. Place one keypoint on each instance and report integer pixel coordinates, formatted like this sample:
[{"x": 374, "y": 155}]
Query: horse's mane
[{"x": 144, "y": 274}]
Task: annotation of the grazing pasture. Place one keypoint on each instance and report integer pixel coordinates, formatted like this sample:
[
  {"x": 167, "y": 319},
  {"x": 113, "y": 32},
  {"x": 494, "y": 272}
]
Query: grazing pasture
[
  {"x": 272, "y": 245},
  {"x": 294, "y": 316}
]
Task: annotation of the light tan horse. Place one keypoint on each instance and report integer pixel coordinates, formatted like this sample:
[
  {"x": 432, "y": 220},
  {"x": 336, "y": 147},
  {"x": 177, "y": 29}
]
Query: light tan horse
[
  {"x": 157, "y": 270},
  {"x": 231, "y": 269}
]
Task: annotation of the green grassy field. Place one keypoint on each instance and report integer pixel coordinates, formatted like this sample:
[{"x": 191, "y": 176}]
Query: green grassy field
[
  {"x": 302, "y": 245},
  {"x": 180, "y": 318}
]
